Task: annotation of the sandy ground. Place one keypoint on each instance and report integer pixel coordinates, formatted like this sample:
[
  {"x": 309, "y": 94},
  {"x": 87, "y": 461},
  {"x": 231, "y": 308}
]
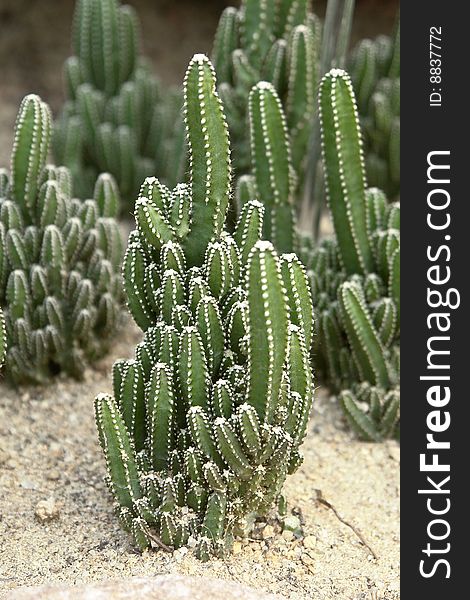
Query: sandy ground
[{"x": 49, "y": 449}]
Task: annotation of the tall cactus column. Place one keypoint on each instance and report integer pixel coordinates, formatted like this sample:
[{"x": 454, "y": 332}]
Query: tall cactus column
[
  {"x": 207, "y": 420},
  {"x": 344, "y": 171},
  {"x": 356, "y": 277},
  {"x": 116, "y": 118},
  {"x": 272, "y": 180}
]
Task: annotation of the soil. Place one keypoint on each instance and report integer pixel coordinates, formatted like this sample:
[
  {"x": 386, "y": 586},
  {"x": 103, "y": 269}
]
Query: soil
[{"x": 346, "y": 495}]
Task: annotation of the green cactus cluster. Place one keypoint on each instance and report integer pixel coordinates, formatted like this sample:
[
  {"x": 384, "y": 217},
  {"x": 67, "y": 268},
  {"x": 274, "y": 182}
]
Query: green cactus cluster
[
  {"x": 117, "y": 119},
  {"x": 375, "y": 72},
  {"x": 206, "y": 421},
  {"x": 355, "y": 277},
  {"x": 60, "y": 285},
  {"x": 276, "y": 41}
]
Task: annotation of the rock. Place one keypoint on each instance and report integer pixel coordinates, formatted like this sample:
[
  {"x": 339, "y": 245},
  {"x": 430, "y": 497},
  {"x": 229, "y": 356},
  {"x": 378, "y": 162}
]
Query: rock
[
  {"x": 288, "y": 535},
  {"x": 310, "y": 542},
  {"x": 237, "y": 547},
  {"x": 53, "y": 475},
  {"x": 268, "y": 532},
  {"x": 164, "y": 587},
  {"x": 292, "y": 523},
  {"x": 180, "y": 553},
  {"x": 27, "y": 484},
  {"x": 47, "y": 510}
]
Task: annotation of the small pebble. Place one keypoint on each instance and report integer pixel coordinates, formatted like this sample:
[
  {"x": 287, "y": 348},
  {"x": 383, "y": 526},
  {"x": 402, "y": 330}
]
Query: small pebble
[
  {"x": 237, "y": 547},
  {"x": 27, "y": 484},
  {"x": 268, "y": 532},
  {"x": 310, "y": 541},
  {"x": 291, "y": 523},
  {"x": 47, "y": 510}
]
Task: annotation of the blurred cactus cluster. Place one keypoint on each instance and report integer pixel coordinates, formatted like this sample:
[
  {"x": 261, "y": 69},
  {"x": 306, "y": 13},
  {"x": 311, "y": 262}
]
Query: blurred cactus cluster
[
  {"x": 375, "y": 72},
  {"x": 60, "y": 259},
  {"x": 117, "y": 117},
  {"x": 277, "y": 42}
]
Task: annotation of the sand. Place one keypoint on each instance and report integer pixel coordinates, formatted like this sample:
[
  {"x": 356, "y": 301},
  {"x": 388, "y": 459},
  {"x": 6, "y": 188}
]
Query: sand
[{"x": 49, "y": 450}]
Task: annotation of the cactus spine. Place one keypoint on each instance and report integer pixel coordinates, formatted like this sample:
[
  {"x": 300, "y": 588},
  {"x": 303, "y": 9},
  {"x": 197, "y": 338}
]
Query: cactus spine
[
  {"x": 116, "y": 118},
  {"x": 355, "y": 278},
  {"x": 59, "y": 259},
  {"x": 207, "y": 420},
  {"x": 3, "y": 341}
]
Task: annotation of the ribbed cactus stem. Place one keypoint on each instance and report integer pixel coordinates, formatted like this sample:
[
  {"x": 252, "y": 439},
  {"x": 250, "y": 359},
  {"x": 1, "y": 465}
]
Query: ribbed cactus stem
[
  {"x": 344, "y": 170},
  {"x": 291, "y": 13},
  {"x": 272, "y": 168},
  {"x": 257, "y": 28},
  {"x": 225, "y": 43},
  {"x": 30, "y": 146},
  {"x": 266, "y": 329},
  {"x": 363, "y": 338},
  {"x": 210, "y": 175},
  {"x": 3, "y": 338}
]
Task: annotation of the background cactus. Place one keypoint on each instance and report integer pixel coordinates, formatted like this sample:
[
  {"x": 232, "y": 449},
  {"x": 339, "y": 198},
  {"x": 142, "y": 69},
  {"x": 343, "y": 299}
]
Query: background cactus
[
  {"x": 272, "y": 178},
  {"x": 207, "y": 420},
  {"x": 375, "y": 72},
  {"x": 117, "y": 119},
  {"x": 276, "y": 41},
  {"x": 356, "y": 276},
  {"x": 59, "y": 259}
]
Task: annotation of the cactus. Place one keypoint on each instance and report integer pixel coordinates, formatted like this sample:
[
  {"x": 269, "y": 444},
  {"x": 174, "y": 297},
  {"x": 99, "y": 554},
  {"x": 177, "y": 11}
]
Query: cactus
[
  {"x": 355, "y": 278},
  {"x": 206, "y": 421},
  {"x": 116, "y": 118},
  {"x": 272, "y": 180},
  {"x": 276, "y": 41},
  {"x": 375, "y": 72},
  {"x": 60, "y": 286}
]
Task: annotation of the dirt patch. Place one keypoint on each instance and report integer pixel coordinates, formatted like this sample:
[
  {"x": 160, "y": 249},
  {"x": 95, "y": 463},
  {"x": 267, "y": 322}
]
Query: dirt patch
[{"x": 49, "y": 450}]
